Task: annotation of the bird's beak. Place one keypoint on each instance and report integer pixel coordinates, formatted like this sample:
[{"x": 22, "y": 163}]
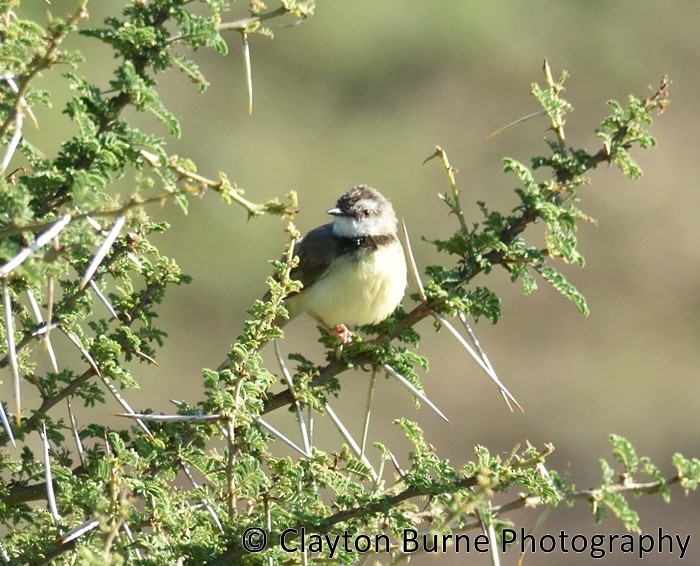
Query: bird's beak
[{"x": 334, "y": 212}]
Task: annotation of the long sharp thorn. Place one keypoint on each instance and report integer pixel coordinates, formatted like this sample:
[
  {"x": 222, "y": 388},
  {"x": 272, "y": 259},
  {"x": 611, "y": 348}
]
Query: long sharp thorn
[
  {"x": 125, "y": 405},
  {"x": 475, "y": 340},
  {"x": 169, "y": 418},
  {"x": 311, "y": 425},
  {"x": 489, "y": 372},
  {"x": 412, "y": 263},
  {"x": 489, "y": 530},
  {"x": 11, "y": 350},
  {"x": 76, "y": 435},
  {"x": 515, "y": 123},
  {"x": 76, "y": 532},
  {"x": 408, "y": 385},
  {"x": 113, "y": 390},
  {"x": 53, "y": 509},
  {"x": 97, "y": 227},
  {"x": 146, "y": 357},
  {"x": 14, "y": 141},
  {"x": 290, "y": 384},
  {"x": 103, "y": 299},
  {"x": 274, "y": 432},
  {"x": 49, "y": 303},
  {"x": 40, "y": 241},
  {"x": 248, "y": 72},
  {"x": 397, "y": 466},
  {"x": 102, "y": 251},
  {"x": 36, "y": 311},
  {"x": 350, "y": 440},
  {"x": 88, "y": 357},
  {"x": 40, "y": 321},
  {"x": 132, "y": 540},
  {"x": 205, "y": 502},
  {"x": 368, "y": 409},
  {"x": 485, "y": 358},
  {"x": 6, "y": 426}
]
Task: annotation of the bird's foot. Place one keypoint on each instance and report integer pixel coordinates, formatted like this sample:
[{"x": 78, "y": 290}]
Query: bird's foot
[{"x": 343, "y": 334}]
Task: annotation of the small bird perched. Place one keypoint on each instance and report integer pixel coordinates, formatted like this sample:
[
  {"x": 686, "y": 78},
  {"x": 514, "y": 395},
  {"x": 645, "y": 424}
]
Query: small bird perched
[{"x": 353, "y": 269}]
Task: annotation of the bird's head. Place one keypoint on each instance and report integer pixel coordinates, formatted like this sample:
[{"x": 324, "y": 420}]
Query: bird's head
[{"x": 361, "y": 212}]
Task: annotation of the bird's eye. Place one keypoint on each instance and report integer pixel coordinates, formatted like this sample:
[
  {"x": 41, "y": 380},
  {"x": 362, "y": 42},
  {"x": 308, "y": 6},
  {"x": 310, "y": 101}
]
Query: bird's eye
[{"x": 365, "y": 213}]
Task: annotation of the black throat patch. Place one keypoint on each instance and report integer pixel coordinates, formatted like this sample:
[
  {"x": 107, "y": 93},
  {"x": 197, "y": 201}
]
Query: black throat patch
[{"x": 365, "y": 243}]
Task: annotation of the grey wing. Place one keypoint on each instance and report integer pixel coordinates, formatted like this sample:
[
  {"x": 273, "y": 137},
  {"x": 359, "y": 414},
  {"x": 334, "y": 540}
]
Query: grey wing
[{"x": 316, "y": 252}]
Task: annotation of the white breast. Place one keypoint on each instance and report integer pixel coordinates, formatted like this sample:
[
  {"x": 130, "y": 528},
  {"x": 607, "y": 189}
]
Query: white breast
[{"x": 356, "y": 290}]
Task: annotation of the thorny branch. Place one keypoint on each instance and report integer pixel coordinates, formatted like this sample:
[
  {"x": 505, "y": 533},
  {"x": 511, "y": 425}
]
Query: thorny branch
[
  {"x": 40, "y": 63},
  {"x": 494, "y": 257}
]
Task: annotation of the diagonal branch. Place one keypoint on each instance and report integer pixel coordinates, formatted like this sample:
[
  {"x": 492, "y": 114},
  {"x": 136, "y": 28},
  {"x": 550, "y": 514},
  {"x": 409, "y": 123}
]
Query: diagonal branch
[{"x": 378, "y": 507}]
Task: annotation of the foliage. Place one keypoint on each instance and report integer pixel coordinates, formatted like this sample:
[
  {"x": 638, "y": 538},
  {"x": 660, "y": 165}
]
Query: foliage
[{"x": 77, "y": 263}]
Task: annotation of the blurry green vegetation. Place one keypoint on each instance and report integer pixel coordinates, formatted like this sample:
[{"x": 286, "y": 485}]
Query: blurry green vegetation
[{"x": 82, "y": 266}]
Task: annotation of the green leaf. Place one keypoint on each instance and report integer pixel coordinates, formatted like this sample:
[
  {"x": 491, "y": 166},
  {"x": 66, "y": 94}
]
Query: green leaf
[
  {"x": 559, "y": 282},
  {"x": 688, "y": 470},
  {"x": 655, "y": 474},
  {"x": 608, "y": 472},
  {"x": 192, "y": 70},
  {"x": 620, "y": 507},
  {"x": 625, "y": 453},
  {"x": 554, "y": 106},
  {"x": 144, "y": 96},
  {"x": 523, "y": 173}
]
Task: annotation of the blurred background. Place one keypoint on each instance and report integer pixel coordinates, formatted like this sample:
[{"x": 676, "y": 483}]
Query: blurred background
[{"x": 361, "y": 93}]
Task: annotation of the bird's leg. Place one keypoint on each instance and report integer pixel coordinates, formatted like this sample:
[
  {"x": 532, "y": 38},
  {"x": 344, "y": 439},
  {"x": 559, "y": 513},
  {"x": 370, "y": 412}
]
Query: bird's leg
[{"x": 341, "y": 332}]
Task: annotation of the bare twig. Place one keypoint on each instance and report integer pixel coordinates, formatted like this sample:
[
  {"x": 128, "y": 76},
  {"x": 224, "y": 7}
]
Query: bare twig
[
  {"x": 452, "y": 200},
  {"x": 248, "y": 23}
]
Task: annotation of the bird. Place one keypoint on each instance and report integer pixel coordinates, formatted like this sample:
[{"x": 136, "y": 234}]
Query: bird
[{"x": 353, "y": 269}]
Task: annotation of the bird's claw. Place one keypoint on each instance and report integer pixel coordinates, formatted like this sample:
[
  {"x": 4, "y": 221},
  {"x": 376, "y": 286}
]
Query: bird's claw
[{"x": 343, "y": 334}]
